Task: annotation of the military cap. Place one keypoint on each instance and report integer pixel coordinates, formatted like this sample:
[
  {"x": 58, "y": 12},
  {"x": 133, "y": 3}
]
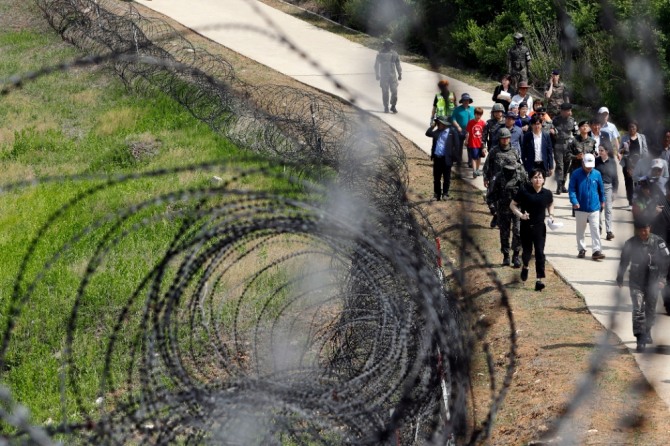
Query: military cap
[
  {"x": 518, "y": 36},
  {"x": 510, "y": 114},
  {"x": 504, "y": 133},
  {"x": 498, "y": 107},
  {"x": 566, "y": 106}
]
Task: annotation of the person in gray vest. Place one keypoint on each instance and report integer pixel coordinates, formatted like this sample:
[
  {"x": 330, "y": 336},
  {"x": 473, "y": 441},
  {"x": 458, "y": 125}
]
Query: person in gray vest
[
  {"x": 648, "y": 257},
  {"x": 505, "y": 187},
  {"x": 386, "y": 65},
  {"x": 518, "y": 61},
  {"x": 566, "y": 129},
  {"x": 555, "y": 93}
]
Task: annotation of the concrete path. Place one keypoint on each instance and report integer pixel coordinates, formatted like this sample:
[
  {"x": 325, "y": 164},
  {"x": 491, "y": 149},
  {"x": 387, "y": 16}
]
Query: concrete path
[{"x": 253, "y": 29}]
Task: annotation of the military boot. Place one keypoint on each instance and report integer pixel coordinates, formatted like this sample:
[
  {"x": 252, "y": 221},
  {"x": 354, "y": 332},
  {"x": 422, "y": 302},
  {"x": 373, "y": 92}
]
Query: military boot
[
  {"x": 639, "y": 347},
  {"x": 505, "y": 261},
  {"x": 516, "y": 262}
]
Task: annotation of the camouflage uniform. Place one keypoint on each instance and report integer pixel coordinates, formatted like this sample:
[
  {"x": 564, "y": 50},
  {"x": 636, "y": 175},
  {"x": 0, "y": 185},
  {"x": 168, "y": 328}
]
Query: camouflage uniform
[
  {"x": 495, "y": 161},
  {"x": 386, "y": 65},
  {"x": 504, "y": 189},
  {"x": 648, "y": 266},
  {"x": 490, "y": 137},
  {"x": 580, "y": 146},
  {"x": 518, "y": 61},
  {"x": 566, "y": 128},
  {"x": 556, "y": 99}
]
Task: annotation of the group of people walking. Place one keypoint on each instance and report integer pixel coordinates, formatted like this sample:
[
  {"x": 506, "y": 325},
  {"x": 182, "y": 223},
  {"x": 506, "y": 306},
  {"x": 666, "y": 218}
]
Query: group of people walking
[{"x": 524, "y": 142}]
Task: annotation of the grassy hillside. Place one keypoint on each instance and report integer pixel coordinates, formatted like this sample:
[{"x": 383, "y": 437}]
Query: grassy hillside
[{"x": 63, "y": 135}]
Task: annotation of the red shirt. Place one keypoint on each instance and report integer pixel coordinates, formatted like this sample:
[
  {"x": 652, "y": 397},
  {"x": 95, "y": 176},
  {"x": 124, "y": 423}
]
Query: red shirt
[{"x": 475, "y": 130}]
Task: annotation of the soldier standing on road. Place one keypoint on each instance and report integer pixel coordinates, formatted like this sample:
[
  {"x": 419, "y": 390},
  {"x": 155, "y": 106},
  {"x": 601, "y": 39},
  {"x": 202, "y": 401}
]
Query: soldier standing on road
[
  {"x": 518, "y": 61},
  {"x": 555, "y": 93},
  {"x": 566, "y": 128},
  {"x": 386, "y": 65},
  {"x": 648, "y": 257}
]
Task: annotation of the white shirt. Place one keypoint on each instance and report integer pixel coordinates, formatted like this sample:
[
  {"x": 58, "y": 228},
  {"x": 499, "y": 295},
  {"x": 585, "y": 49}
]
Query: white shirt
[
  {"x": 519, "y": 99},
  {"x": 611, "y": 130},
  {"x": 537, "y": 139}
]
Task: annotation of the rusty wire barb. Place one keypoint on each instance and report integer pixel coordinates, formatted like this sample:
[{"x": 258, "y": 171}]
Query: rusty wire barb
[{"x": 270, "y": 316}]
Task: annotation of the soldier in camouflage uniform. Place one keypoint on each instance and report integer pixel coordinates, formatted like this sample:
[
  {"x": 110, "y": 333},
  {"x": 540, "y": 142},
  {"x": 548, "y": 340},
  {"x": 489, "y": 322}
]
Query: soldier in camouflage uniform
[
  {"x": 648, "y": 257},
  {"x": 498, "y": 157},
  {"x": 493, "y": 125},
  {"x": 555, "y": 93},
  {"x": 581, "y": 145},
  {"x": 518, "y": 61},
  {"x": 505, "y": 187},
  {"x": 386, "y": 65},
  {"x": 490, "y": 140},
  {"x": 566, "y": 129}
]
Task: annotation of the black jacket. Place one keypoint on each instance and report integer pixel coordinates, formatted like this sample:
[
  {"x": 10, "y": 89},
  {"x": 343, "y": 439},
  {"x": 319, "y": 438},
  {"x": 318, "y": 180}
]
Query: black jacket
[{"x": 451, "y": 146}]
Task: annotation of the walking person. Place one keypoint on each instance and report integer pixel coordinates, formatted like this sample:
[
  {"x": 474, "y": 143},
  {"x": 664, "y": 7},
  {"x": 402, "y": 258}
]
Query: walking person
[
  {"x": 518, "y": 61},
  {"x": 601, "y": 138},
  {"x": 648, "y": 257},
  {"x": 580, "y": 146},
  {"x": 531, "y": 204},
  {"x": 501, "y": 155},
  {"x": 566, "y": 129},
  {"x": 523, "y": 95},
  {"x": 537, "y": 151},
  {"x": 633, "y": 147},
  {"x": 555, "y": 93},
  {"x": 661, "y": 227},
  {"x": 442, "y": 153},
  {"x": 386, "y": 65},
  {"x": 444, "y": 102},
  {"x": 474, "y": 134},
  {"x": 606, "y": 165},
  {"x": 606, "y": 126},
  {"x": 460, "y": 117},
  {"x": 505, "y": 187},
  {"x": 503, "y": 93},
  {"x": 587, "y": 196}
]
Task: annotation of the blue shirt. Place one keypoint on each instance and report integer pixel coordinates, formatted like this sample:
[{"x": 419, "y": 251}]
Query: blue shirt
[
  {"x": 585, "y": 190},
  {"x": 440, "y": 143},
  {"x": 463, "y": 115}
]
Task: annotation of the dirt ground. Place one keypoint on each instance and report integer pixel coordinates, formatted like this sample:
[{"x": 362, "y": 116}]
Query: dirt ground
[{"x": 555, "y": 333}]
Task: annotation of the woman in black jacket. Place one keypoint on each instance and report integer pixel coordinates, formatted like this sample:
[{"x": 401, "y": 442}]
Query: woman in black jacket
[{"x": 504, "y": 92}]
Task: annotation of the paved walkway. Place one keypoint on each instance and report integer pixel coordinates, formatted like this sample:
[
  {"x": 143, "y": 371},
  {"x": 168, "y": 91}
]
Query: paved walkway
[{"x": 236, "y": 24}]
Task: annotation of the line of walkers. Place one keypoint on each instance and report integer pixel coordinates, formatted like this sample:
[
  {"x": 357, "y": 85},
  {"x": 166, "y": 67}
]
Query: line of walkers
[{"x": 524, "y": 148}]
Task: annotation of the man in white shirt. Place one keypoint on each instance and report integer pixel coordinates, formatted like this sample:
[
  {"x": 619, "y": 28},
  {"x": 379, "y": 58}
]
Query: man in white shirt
[{"x": 609, "y": 128}]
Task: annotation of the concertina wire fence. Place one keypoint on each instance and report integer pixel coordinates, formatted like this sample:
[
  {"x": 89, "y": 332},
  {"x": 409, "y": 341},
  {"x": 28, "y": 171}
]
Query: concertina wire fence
[{"x": 357, "y": 342}]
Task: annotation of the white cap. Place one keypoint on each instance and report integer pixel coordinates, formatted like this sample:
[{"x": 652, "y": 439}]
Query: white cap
[
  {"x": 589, "y": 160},
  {"x": 657, "y": 164},
  {"x": 603, "y": 110}
]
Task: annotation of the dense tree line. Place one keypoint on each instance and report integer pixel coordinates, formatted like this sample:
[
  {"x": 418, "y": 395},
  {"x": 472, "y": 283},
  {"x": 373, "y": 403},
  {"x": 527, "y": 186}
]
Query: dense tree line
[{"x": 611, "y": 52}]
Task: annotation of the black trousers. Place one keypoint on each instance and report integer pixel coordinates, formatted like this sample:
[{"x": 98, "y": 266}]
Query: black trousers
[
  {"x": 440, "y": 171},
  {"x": 533, "y": 236},
  {"x": 628, "y": 182}
]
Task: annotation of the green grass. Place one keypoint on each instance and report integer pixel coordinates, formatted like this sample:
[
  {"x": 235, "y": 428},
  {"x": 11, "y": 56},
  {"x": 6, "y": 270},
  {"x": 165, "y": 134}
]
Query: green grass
[{"x": 86, "y": 122}]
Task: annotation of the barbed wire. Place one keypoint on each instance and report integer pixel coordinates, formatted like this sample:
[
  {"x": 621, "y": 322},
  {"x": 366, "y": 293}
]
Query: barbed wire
[{"x": 263, "y": 317}]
